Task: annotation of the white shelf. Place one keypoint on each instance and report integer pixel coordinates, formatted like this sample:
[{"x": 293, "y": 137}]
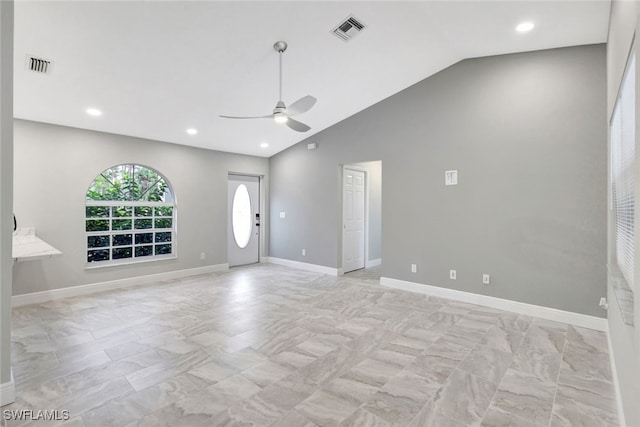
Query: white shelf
[{"x": 28, "y": 247}]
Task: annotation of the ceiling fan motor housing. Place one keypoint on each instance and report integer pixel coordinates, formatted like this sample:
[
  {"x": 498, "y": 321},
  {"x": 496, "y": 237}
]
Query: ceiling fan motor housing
[{"x": 280, "y": 108}]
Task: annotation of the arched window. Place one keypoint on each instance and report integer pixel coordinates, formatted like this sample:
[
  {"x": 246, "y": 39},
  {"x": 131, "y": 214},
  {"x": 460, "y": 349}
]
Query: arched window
[{"x": 129, "y": 216}]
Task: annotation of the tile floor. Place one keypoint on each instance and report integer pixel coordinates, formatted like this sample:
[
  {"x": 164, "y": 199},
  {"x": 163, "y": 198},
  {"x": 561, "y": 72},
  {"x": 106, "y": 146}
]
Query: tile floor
[{"x": 272, "y": 346}]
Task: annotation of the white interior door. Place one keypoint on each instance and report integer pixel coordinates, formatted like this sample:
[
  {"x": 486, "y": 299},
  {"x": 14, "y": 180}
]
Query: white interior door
[
  {"x": 353, "y": 206},
  {"x": 244, "y": 220}
]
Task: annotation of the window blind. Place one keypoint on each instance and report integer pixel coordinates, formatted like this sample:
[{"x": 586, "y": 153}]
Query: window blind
[{"x": 622, "y": 172}]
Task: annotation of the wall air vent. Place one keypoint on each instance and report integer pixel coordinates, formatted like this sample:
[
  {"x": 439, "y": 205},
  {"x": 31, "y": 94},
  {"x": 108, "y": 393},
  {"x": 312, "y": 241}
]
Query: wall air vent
[
  {"x": 39, "y": 65},
  {"x": 348, "y": 28}
]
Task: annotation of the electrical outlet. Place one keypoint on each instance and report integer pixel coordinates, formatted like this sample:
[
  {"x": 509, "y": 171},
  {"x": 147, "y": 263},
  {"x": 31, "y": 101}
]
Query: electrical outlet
[
  {"x": 486, "y": 279},
  {"x": 203, "y": 255},
  {"x": 452, "y": 274},
  {"x": 414, "y": 268},
  {"x": 304, "y": 252},
  {"x": 283, "y": 215},
  {"x": 603, "y": 303}
]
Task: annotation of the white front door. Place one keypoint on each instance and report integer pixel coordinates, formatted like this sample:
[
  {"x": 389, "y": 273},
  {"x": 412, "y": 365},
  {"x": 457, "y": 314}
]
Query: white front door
[
  {"x": 244, "y": 219},
  {"x": 353, "y": 206}
]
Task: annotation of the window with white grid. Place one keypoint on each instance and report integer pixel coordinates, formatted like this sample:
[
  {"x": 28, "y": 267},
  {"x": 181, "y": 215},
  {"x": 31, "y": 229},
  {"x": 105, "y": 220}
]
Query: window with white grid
[
  {"x": 129, "y": 217},
  {"x": 622, "y": 172}
]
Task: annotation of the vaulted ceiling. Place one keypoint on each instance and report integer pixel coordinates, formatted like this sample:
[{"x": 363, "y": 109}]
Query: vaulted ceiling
[{"x": 155, "y": 69}]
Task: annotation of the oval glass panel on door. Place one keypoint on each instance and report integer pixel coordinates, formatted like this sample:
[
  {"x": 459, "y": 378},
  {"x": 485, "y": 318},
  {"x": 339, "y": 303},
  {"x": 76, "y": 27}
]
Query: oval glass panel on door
[
  {"x": 244, "y": 219},
  {"x": 241, "y": 216}
]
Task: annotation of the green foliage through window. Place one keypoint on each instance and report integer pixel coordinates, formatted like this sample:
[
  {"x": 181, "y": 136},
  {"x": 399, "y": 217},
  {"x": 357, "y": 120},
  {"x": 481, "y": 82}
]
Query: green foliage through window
[
  {"x": 97, "y": 225},
  {"x": 97, "y": 211},
  {"x": 130, "y": 183}
]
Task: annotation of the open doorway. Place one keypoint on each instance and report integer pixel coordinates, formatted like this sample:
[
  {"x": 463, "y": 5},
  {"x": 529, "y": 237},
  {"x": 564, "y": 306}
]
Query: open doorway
[{"x": 361, "y": 216}]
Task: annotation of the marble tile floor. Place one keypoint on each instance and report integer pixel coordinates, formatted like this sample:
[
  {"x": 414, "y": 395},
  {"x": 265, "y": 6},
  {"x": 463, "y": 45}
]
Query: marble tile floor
[{"x": 267, "y": 345}]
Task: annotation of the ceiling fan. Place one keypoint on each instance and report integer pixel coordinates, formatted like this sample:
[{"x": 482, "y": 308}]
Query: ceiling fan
[{"x": 282, "y": 113}]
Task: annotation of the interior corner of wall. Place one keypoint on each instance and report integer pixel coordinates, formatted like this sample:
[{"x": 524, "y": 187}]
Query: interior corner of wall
[{"x": 8, "y": 391}]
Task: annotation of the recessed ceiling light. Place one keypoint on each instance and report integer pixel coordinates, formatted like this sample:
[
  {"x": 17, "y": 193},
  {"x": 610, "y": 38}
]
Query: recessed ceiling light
[
  {"x": 94, "y": 112},
  {"x": 264, "y": 145},
  {"x": 192, "y": 131},
  {"x": 523, "y": 27}
]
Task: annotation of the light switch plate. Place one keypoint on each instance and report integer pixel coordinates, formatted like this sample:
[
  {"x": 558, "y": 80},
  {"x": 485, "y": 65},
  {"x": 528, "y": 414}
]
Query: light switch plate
[
  {"x": 282, "y": 215},
  {"x": 451, "y": 177}
]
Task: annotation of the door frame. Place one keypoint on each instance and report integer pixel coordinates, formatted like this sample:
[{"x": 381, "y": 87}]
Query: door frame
[
  {"x": 366, "y": 214},
  {"x": 262, "y": 195}
]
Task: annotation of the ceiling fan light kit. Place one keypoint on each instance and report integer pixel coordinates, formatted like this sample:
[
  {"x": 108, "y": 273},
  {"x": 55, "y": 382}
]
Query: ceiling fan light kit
[
  {"x": 280, "y": 118},
  {"x": 281, "y": 113}
]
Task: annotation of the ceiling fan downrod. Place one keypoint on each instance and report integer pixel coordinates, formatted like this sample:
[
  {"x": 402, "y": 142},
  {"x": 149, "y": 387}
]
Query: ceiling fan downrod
[{"x": 280, "y": 47}]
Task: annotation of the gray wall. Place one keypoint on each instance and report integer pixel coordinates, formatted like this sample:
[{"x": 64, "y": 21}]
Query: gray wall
[
  {"x": 374, "y": 182},
  {"x": 54, "y": 166},
  {"x": 625, "y": 340},
  {"x": 6, "y": 185},
  {"x": 527, "y": 133}
]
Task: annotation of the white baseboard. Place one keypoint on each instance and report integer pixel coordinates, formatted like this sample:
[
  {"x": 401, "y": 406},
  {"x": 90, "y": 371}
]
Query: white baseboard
[
  {"x": 616, "y": 384},
  {"x": 74, "y": 291},
  {"x": 372, "y": 263},
  {"x": 7, "y": 392},
  {"x": 304, "y": 266},
  {"x": 577, "y": 319}
]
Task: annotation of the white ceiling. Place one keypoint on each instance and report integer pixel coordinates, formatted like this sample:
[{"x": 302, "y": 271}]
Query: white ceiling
[{"x": 158, "y": 68}]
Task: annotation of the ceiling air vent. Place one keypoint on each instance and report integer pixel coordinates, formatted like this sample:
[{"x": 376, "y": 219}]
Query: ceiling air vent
[
  {"x": 39, "y": 65},
  {"x": 348, "y": 28}
]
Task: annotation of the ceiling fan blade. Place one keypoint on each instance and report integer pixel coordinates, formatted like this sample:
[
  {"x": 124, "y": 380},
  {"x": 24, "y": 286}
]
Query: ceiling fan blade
[
  {"x": 297, "y": 126},
  {"x": 302, "y": 105},
  {"x": 270, "y": 116}
]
